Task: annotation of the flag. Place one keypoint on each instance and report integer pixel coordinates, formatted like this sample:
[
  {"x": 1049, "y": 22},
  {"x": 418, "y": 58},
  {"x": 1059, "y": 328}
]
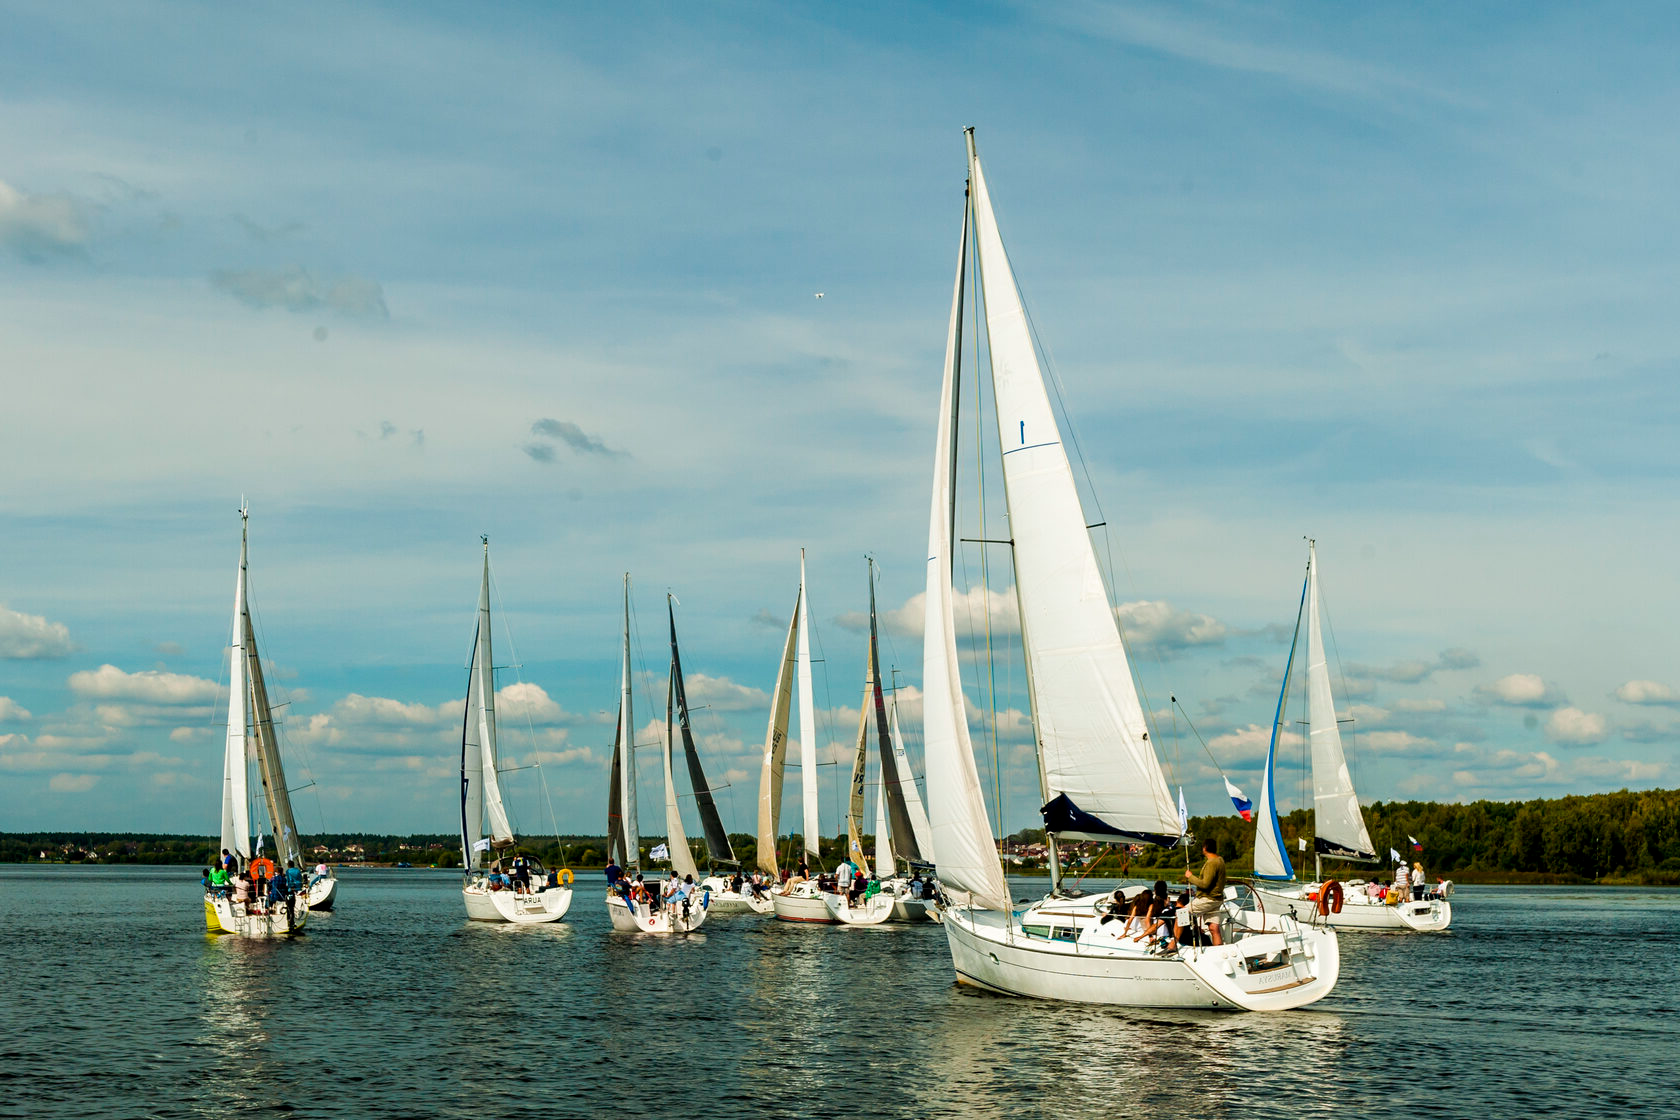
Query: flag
[
  {"x": 1394, "y": 855},
  {"x": 1416, "y": 847},
  {"x": 481, "y": 845},
  {"x": 1301, "y": 843},
  {"x": 1183, "y": 813},
  {"x": 1245, "y": 807},
  {"x": 660, "y": 851}
]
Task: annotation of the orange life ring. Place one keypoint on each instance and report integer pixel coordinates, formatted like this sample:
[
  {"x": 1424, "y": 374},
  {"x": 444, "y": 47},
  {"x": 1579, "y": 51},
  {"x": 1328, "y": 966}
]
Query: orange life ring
[
  {"x": 1330, "y": 898},
  {"x": 263, "y": 867},
  {"x": 565, "y": 876}
]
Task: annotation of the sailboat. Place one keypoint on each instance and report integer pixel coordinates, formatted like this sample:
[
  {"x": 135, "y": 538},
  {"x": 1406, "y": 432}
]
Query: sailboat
[
  {"x": 897, "y": 779},
  {"x": 623, "y": 839},
  {"x": 798, "y": 900},
  {"x": 1098, "y": 773},
  {"x": 487, "y": 899},
  {"x": 1339, "y": 825},
  {"x": 251, "y": 738}
]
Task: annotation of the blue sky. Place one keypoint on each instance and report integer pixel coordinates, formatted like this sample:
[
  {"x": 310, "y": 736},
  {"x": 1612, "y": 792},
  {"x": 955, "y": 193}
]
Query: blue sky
[{"x": 1401, "y": 279}]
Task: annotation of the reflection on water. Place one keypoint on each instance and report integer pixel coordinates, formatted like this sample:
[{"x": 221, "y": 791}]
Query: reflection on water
[{"x": 395, "y": 1005}]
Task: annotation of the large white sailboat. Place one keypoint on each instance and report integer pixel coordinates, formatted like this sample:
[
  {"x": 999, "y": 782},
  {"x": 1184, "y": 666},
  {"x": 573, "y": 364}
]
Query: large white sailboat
[
  {"x": 798, "y": 900},
  {"x": 486, "y": 896},
  {"x": 1339, "y": 825},
  {"x": 630, "y": 914},
  {"x": 251, "y": 738},
  {"x": 1098, "y": 772}
]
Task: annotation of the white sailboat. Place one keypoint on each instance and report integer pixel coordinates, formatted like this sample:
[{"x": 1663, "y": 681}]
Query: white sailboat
[
  {"x": 1098, "y": 773},
  {"x": 1339, "y": 831},
  {"x": 798, "y": 900},
  {"x": 486, "y": 897},
  {"x": 251, "y": 739},
  {"x": 629, "y": 914}
]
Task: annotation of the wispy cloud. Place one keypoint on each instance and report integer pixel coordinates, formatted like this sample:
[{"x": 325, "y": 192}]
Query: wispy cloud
[
  {"x": 38, "y": 226},
  {"x": 297, "y": 289},
  {"x": 569, "y": 434}
]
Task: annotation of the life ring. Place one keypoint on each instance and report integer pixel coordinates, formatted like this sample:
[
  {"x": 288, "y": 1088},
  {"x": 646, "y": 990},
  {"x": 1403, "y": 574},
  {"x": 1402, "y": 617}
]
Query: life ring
[
  {"x": 1330, "y": 898},
  {"x": 263, "y": 868},
  {"x": 565, "y": 876}
]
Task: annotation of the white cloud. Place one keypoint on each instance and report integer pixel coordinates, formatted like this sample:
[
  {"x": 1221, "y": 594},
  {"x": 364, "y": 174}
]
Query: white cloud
[
  {"x": 148, "y": 686},
  {"x": 1520, "y": 690},
  {"x": 72, "y": 783},
  {"x": 1420, "y": 706},
  {"x": 1573, "y": 727},
  {"x": 1158, "y": 625},
  {"x": 383, "y": 711},
  {"x": 1394, "y": 742},
  {"x": 523, "y": 700},
  {"x": 11, "y": 710},
  {"x": 723, "y": 695},
  {"x": 185, "y": 734},
  {"x": 1247, "y": 745},
  {"x": 29, "y": 637},
  {"x": 1367, "y": 713},
  {"x": 1647, "y": 692},
  {"x": 35, "y": 225},
  {"x": 297, "y": 289}
]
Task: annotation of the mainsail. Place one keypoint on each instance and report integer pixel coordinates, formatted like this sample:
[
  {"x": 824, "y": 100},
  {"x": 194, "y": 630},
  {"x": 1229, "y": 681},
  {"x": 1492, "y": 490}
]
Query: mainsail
[
  {"x": 892, "y": 789},
  {"x": 860, "y": 764},
  {"x": 1101, "y": 776},
  {"x": 236, "y": 797},
  {"x": 775, "y": 749},
  {"x": 1271, "y": 857},
  {"x": 676, "y": 839},
  {"x": 807, "y": 725},
  {"x": 717, "y": 840},
  {"x": 623, "y": 839},
  {"x": 481, "y": 793},
  {"x": 906, "y": 781},
  {"x": 1338, "y": 825}
]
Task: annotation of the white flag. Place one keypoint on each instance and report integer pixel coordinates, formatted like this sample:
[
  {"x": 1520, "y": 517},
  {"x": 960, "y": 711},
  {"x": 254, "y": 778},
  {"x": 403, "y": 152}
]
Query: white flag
[
  {"x": 481, "y": 845},
  {"x": 660, "y": 852},
  {"x": 1301, "y": 843},
  {"x": 1394, "y": 855},
  {"x": 1183, "y": 813}
]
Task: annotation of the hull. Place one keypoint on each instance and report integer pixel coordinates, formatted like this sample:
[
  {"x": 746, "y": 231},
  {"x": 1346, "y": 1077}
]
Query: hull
[
  {"x": 1273, "y": 971},
  {"x": 802, "y": 906},
  {"x": 222, "y": 915},
  {"x": 323, "y": 894},
  {"x": 871, "y": 913},
  {"x": 668, "y": 919},
  {"x": 519, "y": 909},
  {"x": 1427, "y": 916},
  {"x": 725, "y": 901}
]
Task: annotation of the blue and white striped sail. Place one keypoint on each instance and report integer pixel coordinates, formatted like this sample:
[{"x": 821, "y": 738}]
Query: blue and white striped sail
[{"x": 1271, "y": 856}]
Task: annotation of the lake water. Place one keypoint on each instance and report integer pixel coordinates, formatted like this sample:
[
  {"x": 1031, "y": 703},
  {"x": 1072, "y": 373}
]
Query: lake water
[{"x": 1542, "y": 1001}]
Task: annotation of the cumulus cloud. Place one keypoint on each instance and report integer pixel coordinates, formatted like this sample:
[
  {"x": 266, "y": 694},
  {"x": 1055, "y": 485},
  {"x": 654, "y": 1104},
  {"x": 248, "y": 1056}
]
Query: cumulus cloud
[
  {"x": 38, "y": 226},
  {"x": 569, "y": 434},
  {"x": 1420, "y": 706},
  {"x": 1159, "y": 626},
  {"x": 523, "y": 700},
  {"x": 11, "y": 710},
  {"x": 357, "y": 709},
  {"x": 723, "y": 694},
  {"x": 1647, "y": 692},
  {"x": 1521, "y": 690},
  {"x": 1415, "y": 671},
  {"x": 1573, "y": 727},
  {"x": 1247, "y": 745},
  {"x": 72, "y": 783},
  {"x": 29, "y": 637},
  {"x": 149, "y": 686},
  {"x": 297, "y": 289}
]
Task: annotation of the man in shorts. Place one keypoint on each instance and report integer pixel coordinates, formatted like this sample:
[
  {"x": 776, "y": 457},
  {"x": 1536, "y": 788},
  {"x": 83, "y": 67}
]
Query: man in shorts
[{"x": 1210, "y": 890}]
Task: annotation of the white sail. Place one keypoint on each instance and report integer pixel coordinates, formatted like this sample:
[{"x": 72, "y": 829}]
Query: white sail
[
  {"x": 627, "y": 748},
  {"x": 236, "y": 799},
  {"x": 501, "y": 832},
  {"x": 962, "y": 843},
  {"x": 775, "y": 751},
  {"x": 1104, "y": 780},
  {"x": 807, "y": 724},
  {"x": 1271, "y": 856},
  {"x": 906, "y": 780},
  {"x": 682, "y": 859},
  {"x": 858, "y": 784},
  {"x": 1338, "y": 824},
  {"x": 885, "y": 865}
]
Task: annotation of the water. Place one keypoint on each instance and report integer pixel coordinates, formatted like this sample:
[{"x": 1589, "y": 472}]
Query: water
[{"x": 1543, "y": 1001}]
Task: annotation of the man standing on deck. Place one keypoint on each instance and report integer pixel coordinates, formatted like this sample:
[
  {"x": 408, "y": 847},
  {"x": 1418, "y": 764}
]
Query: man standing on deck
[{"x": 1210, "y": 889}]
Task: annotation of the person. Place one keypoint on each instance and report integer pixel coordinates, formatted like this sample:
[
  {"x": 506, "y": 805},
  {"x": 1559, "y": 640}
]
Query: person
[
  {"x": 294, "y": 877},
  {"x": 320, "y": 873},
  {"x": 855, "y": 888},
  {"x": 614, "y": 873},
  {"x": 205, "y": 878},
  {"x": 244, "y": 890},
  {"x": 1210, "y": 890},
  {"x": 1420, "y": 884},
  {"x": 930, "y": 891},
  {"x": 277, "y": 895},
  {"x": 736, "y": 881},
  {"x": 220, "y": 880},
  {"x": 1402, "y": 882},
  {"x": 522, "y": 873},
  {"x": 1163, "y": 921},
  {"x": 843, "y": 876},
  {"x": 916, "y": 885},
  {"x": 230, "y": 863}
]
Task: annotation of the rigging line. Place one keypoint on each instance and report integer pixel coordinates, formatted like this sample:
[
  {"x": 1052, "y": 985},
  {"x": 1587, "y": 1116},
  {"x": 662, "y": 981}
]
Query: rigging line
[
  {"x": 1198, "y": 736},
  {"x": 530, "y": 726}
]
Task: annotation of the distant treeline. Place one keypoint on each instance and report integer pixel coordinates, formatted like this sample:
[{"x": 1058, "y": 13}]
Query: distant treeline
[{"x": 1601, "y": 837}]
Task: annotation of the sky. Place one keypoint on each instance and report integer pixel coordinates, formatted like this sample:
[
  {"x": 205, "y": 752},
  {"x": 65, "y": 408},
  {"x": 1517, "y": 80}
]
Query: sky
[{"x": 663, "y": 290}]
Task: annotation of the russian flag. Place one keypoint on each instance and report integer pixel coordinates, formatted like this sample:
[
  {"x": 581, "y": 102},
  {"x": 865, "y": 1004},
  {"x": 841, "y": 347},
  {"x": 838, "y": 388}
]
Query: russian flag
[
  {"x": 1245, "y": 807},
  {"x": 1416, "y": 847}
]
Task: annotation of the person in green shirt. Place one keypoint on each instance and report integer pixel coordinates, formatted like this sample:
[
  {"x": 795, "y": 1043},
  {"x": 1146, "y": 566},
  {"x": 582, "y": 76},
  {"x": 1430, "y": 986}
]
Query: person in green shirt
[
  {"x": 1210, "y": 890},
  {"x": 218, "y": 879}
]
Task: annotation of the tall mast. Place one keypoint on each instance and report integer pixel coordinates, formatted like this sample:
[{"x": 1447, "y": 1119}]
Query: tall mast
[
  {"x": 627, "y": 747},
  {"x": 236, "y": 797},
  {"x": 807, "y": 725}
]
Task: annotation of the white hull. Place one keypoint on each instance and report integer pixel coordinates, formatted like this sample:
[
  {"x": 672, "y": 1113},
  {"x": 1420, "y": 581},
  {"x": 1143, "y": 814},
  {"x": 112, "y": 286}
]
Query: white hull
[
  {"x": 323, "y": 894},
  {"x": 726, "y": 901},
  {"x": 668, "y": 919},
  {"x": 801, "y": 905},
  {"x": 871, "y": 913},
  {"x": 1260, "y": 972},
  {"x": 510, "y": 906},
  {"x": 222, "y": 915},
  {"x": 1361, "y": 913},
  {"x": 909, "y": 910}
]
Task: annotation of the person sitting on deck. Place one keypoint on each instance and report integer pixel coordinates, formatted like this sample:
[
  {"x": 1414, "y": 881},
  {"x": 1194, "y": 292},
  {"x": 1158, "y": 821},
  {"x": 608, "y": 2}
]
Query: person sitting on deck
[
  {"x": 1163, "y": 923},
  {"x": 916, "y": 885},
  {"x": 320, "y": 873},
  {"x": 1210, "y": 890}
]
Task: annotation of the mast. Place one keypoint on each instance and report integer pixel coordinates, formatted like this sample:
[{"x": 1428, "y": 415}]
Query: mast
[
  {"x": 775, "y": 749},
  {"x": 717, "y": 840},
  {"x": 627, "y": 749},
  {"x": 807, "y": 726},
  {"x": 236, "y": 797}
]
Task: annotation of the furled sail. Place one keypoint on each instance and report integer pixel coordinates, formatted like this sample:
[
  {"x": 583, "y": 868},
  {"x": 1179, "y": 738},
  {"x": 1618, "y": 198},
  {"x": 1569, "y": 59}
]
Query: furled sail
[
  {"x": 717, "y": 840},
  {"x": 1271, "y": 856},
  {"x": 676, "y": 839},
  {"x": 775, "y": 750},
  {"x": 963, "y": 845},
  {"x": 625, "y": 752},
  {"x": 1338, "y": 825},
  {"x": 1103, "y": 779},
  {"x": 236, "y": 798},
  {"x": 807, "y": 725}
]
